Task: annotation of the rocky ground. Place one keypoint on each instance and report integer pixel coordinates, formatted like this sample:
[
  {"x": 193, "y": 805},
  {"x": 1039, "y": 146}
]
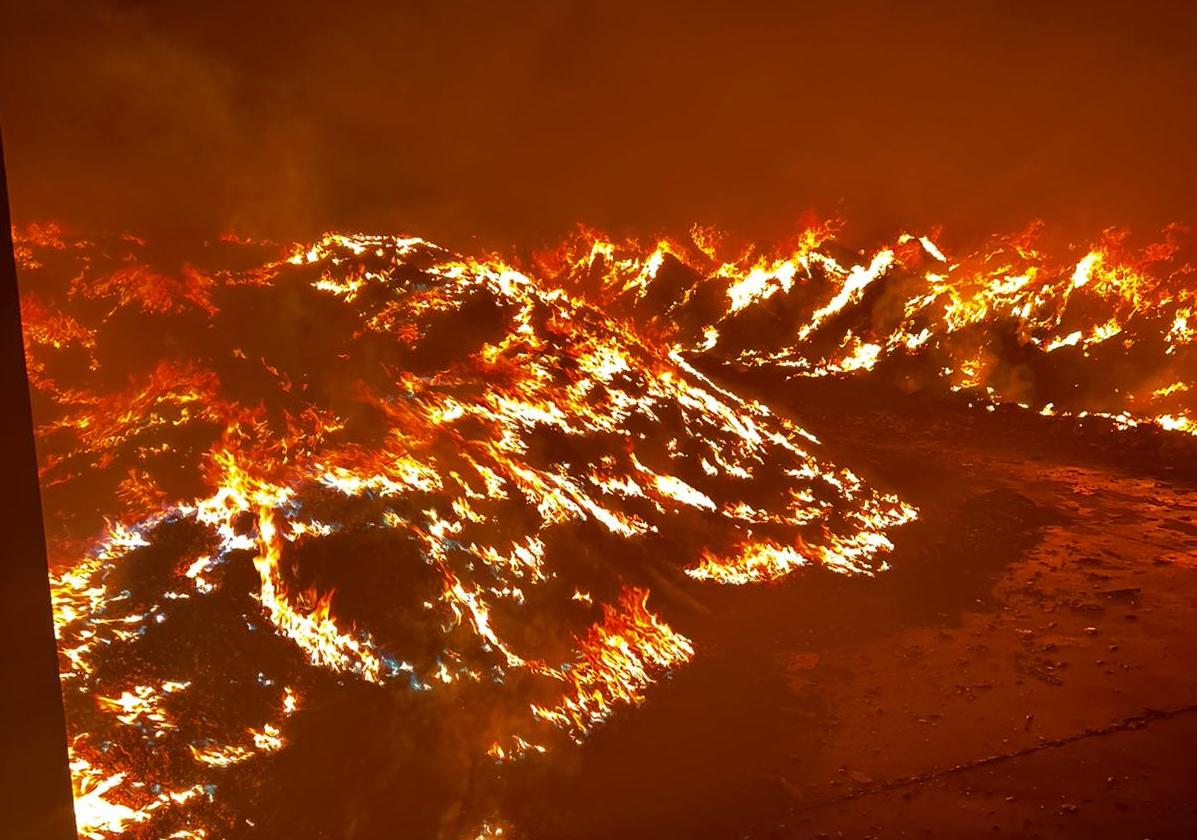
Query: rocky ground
[{"x": 1024, "y": 668}]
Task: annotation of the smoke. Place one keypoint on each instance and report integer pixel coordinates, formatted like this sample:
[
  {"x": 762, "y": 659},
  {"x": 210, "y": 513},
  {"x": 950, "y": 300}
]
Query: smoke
[{"x": 467, "y": 121}]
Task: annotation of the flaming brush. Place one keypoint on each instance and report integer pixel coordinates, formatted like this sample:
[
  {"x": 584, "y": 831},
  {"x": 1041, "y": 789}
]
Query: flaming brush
[{"x": 367, "y": 485}]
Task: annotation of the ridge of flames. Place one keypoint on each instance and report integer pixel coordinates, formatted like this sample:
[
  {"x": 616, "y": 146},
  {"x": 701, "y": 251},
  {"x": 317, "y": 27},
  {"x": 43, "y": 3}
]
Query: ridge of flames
[
  {"x": 523, "y": 458},
  {"x": 1106, "y": 330}
]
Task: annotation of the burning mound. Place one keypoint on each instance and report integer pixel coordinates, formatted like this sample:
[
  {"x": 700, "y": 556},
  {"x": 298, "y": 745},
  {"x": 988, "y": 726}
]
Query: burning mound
[
  {"x": 1107, "y": 330},
  {"x": 386, "y": 498}
]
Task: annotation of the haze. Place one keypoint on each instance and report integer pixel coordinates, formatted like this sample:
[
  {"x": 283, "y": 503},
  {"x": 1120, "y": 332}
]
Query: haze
[{"x": 501, "y": 124}]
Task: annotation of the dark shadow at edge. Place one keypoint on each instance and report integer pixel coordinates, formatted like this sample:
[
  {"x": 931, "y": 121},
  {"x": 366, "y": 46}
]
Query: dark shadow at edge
[{"x": 35, "y": 783}]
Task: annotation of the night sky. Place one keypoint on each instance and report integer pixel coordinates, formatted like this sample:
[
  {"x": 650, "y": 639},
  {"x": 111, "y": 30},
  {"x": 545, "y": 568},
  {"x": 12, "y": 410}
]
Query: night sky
[{"x": 508, "y": 123}]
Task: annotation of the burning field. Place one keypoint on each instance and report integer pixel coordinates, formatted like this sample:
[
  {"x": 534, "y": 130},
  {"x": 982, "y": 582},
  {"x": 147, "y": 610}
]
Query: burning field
[{"x": 361, "y": 537}]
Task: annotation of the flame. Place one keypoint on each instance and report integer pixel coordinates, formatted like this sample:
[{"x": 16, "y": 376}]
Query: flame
[
  {"x": 617, "y": 659},
  {"x": 99, "y": 811},
  {"x": 754, "y": 562},
  {"x": 979, "y": 322},
  {"x": 471, "y": 422},
  {"x": 481, "y": 419}
]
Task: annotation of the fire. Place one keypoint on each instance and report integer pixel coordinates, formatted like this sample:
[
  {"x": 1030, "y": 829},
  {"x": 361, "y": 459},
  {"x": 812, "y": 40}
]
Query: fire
[
  {"x": 985, "y": 322},
  {"x": 754, "y": 562},
  {"x": 616, "y": 662},
  {"x": 100, "y": 814},
  {"x": 374, "y": 462},
  {"x": 475, "y": 462}
]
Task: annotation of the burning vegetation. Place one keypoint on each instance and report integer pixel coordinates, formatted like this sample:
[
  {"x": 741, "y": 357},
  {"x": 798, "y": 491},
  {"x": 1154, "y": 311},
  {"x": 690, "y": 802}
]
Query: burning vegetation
[
  {"x": 1106, "y": 329},
  {"x": 477, "y": 498}
]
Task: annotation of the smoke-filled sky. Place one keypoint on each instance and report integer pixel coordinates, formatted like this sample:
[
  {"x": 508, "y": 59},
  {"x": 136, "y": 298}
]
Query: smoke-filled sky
[{"x": 510, "y": 122}]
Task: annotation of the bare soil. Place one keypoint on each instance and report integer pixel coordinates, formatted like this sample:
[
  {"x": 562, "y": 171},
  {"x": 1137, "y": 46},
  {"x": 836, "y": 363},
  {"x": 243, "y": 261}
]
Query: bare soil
[{"x": 1024, "y": 669}]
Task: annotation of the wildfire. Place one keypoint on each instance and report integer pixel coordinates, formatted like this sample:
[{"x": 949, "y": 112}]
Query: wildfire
[
  {"x": 369, "y": 461},
  {"x": 616, "y": 662},
  {"x": 1012, "y": 323},
  {"x": 459, "y": 420}
]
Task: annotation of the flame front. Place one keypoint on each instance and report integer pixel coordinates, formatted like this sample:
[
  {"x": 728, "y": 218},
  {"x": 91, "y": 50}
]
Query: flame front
[
  {"x": 370, "y": 462},
  {"x": 367, "y": 461},
  {"x": 1105, "y": 330}
]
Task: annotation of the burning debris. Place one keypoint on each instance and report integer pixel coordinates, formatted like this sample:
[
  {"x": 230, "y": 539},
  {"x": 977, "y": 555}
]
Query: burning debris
[
  {"x": 369, "y": 464},
  {"x": 1106, "y": 330},
  {"x": 476, "y": 499}
]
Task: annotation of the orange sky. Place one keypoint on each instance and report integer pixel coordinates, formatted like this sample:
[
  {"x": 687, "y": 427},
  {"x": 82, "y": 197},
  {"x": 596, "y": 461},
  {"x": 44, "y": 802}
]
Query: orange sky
[{"x": 510, "y": 122}]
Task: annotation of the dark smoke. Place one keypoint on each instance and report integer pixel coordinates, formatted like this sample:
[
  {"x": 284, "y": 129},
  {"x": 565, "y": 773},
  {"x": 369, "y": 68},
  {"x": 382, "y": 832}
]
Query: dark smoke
[{"x": 510, "y": 123}]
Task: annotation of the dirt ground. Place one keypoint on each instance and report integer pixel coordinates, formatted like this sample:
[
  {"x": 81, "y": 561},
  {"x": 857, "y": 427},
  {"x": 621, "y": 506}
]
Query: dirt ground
[{"x": 1023, "y": 670}]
